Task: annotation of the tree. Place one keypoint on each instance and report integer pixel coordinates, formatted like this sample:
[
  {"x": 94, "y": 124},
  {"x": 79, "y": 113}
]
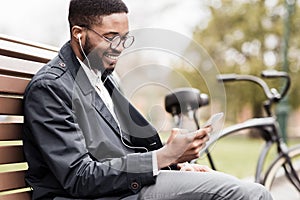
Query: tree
[{"x": 245, "y": 37}]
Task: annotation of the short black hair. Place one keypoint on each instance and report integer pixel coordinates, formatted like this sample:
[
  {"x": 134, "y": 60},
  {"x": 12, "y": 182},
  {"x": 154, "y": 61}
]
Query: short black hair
[{"x": 89, "y": 12}]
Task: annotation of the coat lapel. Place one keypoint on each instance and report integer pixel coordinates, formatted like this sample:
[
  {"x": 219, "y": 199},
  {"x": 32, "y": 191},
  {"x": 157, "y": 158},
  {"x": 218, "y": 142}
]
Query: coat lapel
[
  {"x": 81, "y": 80},
  {"x": 133, "y": 124},
  {"x": 97, "y": 102}
]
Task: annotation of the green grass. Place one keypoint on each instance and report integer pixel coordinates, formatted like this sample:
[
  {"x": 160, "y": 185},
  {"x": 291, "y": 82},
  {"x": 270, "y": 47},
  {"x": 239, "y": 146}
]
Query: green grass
[{"x": 238, "y": 155}]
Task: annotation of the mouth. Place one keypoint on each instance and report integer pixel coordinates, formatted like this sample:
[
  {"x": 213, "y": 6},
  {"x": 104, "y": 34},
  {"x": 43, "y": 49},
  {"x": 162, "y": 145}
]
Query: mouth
[{"x": 112, "y": 57}]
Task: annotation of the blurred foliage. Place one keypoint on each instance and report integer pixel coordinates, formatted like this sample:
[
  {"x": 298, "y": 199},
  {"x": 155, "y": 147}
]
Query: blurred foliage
[{"x": 246, "y": 37}]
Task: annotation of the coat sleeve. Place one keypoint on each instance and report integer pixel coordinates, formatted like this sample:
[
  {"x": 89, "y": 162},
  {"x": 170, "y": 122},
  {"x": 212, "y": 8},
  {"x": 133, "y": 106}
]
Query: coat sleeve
[{"x": 50, "y": 123}]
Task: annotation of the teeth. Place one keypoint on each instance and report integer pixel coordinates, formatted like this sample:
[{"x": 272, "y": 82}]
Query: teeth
[{"x": 112, "y": 57}]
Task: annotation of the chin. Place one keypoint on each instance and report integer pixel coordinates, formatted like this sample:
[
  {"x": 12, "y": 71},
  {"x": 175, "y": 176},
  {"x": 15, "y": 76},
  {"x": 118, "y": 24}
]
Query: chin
[{"x": 108, "y": 69}]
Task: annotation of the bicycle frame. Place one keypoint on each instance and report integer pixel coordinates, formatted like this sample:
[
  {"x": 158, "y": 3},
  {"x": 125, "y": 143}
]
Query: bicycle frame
[{"x": 266, "y": 124}]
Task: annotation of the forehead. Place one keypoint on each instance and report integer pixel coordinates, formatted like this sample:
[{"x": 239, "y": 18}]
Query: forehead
[{"x": 116, "y": 22}]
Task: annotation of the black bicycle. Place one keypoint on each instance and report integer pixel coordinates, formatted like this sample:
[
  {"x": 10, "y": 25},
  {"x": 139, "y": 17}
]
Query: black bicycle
[{"x": 287, "y": 164}]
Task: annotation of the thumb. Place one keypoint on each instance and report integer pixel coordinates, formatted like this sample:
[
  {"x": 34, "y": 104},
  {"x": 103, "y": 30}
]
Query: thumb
[{"x": 173, "y": 134}]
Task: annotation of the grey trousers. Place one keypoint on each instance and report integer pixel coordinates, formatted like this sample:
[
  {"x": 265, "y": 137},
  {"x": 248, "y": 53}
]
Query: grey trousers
[
  {"x": 202, "y": 186},
  {"x": 178, "y": 185}
]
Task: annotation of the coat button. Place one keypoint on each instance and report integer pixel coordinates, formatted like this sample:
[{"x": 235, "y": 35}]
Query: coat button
[
  {"x": 134, "y": 185},
  {"x": 62, "y": 64}
]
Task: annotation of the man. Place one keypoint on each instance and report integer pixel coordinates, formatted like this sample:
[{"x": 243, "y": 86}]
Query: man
[{"x": 84, "y": 140}]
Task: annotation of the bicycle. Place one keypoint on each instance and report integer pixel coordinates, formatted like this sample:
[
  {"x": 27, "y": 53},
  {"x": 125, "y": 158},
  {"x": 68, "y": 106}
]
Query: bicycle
[{"x": 288, "y": 158}]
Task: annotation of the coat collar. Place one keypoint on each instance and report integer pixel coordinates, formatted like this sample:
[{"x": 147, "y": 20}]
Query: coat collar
[{"x": 68, "y": 56}]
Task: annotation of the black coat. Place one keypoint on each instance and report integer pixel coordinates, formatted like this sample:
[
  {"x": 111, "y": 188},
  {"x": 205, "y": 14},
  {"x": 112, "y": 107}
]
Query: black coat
[{"x": 72, "y": 142}]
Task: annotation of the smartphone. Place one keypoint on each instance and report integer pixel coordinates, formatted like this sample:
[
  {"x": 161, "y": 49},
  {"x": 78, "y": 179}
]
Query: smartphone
[{"x": 213, "y": 120}]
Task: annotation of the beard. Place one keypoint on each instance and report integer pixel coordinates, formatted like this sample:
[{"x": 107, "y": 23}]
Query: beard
[
  {"x": 94, "y": 60},
  {"x": 92, "y": 57}
]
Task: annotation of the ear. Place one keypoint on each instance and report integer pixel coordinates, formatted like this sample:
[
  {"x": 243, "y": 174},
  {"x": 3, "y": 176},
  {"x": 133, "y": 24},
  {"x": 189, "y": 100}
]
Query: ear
[{"x": 77, "y": 32}]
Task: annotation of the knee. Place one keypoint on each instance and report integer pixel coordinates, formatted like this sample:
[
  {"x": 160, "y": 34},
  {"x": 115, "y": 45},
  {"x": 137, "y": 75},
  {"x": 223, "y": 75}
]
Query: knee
[
  {"x": 246, "y": 191},
  {"x": 262, "y": 193},
  {"x": 256, "y": 191}
]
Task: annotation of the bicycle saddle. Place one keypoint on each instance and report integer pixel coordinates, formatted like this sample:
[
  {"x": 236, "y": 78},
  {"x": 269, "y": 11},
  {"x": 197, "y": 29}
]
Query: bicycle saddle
[{"x": 183, "y": 100}]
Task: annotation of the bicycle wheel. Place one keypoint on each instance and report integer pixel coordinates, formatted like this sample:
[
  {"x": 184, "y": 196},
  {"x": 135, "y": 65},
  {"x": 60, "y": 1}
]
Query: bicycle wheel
[{"x": 279, "y": 177}]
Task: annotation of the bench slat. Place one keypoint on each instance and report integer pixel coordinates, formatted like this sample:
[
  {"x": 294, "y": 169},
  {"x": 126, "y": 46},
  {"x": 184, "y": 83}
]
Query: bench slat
[
  {"x": 10, "y": 131},
  {"x": 17, "y": 196},
  {"x": 13, "y": 167},
  {"x": 11, "y": 154},
  {"x": 26, "y": 52},
  {"x": 12, "y": 180},
  {"x": 13, "y": 85},
  {"x": 10, "y": 106},
  {"x": 20, "y": 41},
  {"x": 18, "y": 67}
]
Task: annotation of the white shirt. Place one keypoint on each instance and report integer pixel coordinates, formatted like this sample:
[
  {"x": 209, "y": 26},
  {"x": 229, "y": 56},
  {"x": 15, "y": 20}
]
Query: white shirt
[
  {"x": 94, "y": 77},
  {"x": 95, "y": 80}
]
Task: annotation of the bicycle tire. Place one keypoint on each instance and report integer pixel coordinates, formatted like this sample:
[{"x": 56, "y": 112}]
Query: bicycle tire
[{"x": 275, "y": 171}]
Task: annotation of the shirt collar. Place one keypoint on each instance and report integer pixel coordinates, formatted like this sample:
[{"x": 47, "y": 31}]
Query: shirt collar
[{"x": 93, "y": 76}]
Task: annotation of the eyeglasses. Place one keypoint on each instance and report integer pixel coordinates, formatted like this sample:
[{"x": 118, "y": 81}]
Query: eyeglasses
[{"x": 126, "y": 40}]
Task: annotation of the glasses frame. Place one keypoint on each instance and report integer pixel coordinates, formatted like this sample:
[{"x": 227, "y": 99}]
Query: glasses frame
[{"x": 122, "y": 39}]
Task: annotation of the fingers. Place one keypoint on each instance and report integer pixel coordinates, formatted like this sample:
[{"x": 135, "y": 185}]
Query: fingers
[
  {"x": 187, "y": 157},
  {"x": 204, "y": 139},
  {"x": 201, "y": 133},
  {"x": 199, "y": 143},
  {"x": 202, "y": 168},
  {"x": 194, "y": 167},
  {"x": 190, "y": 154},
  {"x": 185, "y": 167},
  {"x": 173, "y": 134}
]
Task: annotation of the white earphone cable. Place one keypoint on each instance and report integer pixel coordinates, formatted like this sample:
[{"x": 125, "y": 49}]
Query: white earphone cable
[
  {"x": 84, "y": 53},
  {"x": 119, "y": 126}
]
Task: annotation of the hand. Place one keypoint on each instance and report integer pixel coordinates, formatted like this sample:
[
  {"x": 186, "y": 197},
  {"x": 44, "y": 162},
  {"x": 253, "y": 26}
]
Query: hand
[
  {"x": 182, "y": 147},
  {"x": 192, "y": 152},
  {"x": 193, "y": 167}
]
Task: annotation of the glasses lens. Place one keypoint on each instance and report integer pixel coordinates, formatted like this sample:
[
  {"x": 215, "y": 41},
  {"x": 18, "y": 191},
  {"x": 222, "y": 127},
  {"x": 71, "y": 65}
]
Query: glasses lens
[
  {"x": 115, "y": 42},
  {"x": 128, "y": 41}
]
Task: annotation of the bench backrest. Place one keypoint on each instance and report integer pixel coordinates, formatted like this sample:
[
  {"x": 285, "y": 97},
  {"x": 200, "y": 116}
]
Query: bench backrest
[{"x": 19, "y": 61}]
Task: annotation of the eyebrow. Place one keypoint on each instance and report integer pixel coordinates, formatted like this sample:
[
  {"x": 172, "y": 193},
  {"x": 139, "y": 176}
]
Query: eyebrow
[{"x": 114, "y": 33}]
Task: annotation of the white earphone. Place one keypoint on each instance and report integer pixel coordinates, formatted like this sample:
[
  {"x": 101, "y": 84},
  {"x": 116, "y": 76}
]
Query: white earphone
[{"x": 79, "y": 36}]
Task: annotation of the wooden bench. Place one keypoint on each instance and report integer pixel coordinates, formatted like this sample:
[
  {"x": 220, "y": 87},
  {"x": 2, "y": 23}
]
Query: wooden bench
[{"x": 19, "y": 61}]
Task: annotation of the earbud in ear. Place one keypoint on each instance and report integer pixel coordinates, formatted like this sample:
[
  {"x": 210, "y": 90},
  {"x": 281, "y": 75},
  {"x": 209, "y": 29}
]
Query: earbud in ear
[{"x": 78, "y": 35}]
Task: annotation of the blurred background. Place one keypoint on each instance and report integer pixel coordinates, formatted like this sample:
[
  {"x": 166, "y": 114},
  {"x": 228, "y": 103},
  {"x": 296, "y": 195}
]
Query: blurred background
[{"x": 237, "y": 36}]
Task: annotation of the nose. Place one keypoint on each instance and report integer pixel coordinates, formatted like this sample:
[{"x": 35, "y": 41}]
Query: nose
[{"x": 120, "y": 47}]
